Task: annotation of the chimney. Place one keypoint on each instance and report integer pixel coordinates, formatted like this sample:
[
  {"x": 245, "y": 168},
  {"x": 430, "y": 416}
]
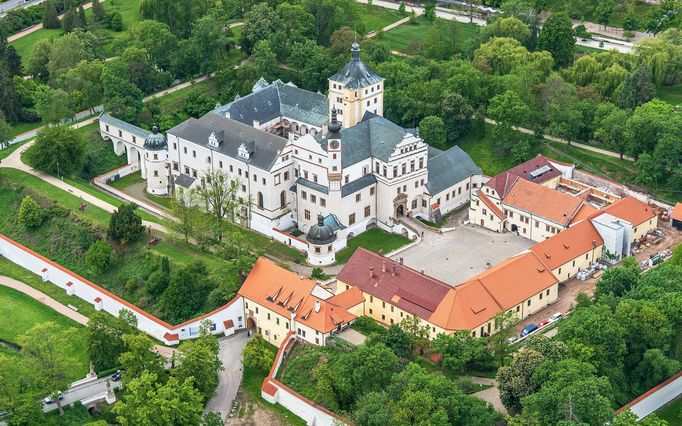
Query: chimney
[
  {"x": 422, "y": 272},
  {"x": 383, "y": 266},
  {"x": 371, "y": 272},
  {"x": 393, "y": 267},
  {"x": 381, "y": 252},
  {"x": 317, "y": 306},
  {"x": 401, "y": 260}
]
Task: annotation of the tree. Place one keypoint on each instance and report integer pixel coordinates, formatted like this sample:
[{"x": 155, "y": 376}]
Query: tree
[
  {"x": 219, "y": 196},
  {"x": 212, "y": 418},
  {"x": 430, "y": 10},
  {"x": 53, "y": 106},
  {"x": 139, "y": 358},
  {"x": 515, "y": 380},
  {"x": 265, "y": 60},
  {"x": 609, "y": 127},
  {"x": 398, "y": 341},
  {"x": 121, "y": 97},
  {"x": 105, "y": 338},
  {"x": 557, "y": 38},
  {"x": 260, "y": 23},
  {"x": 511, "y": 27},
  {"x": 5, "y": 132},
  {"x": 21, "y": 390},
  {"x": 58, "y": 149},
  {"x": 372, "y": 409},
  {"x": 50, "y": 19},
  {"x": 504, "y": 326},
  {"x": 330, "y": 15},
  {"x": 99, "y": 256},
  {"x": 459, "y": 350},
  {"x": 39, "y": 60},
  {"x": 84, "y": 82},
  {"x": 157, "y": 39},
  {"x": 82, "y": 20},
  {"x": 115, "y": 21},
  {"x": 654, "y": 368},
  {"x": 432, "y": 131},
  {"x": 617, "y": 281},
  {"x": 208, "y": 39},
  {"x": 456, "y": 114},
  {"x": 45, "y": 346},
  {"x": 186, "y": 213},
  {"x": 258, "y": 353},
  {"x": 313, "y": 64},
  {"x": 630, "y": 22},
  {"x": 125, "y": 224},
  {"x": 297, "y": 26},
  {"x": 648, "y": 124},
  {"x": 31, "y": 214},
  {"x": 69, "y": 50},
  {"x": 70, "y": 19},
  {"x": 368, "y": 368},
  {"x": 603, "y": 11},
  {"x": 441, "y": 40},
  {"x": 508, "y": 110},
  {"x": 199, "y": 362},
  {"x": 98, "y": 14},
  {"x": 148, "y": 402},
  {"x": 186, "y": 291},
  {"x": 637, "y": 88}
]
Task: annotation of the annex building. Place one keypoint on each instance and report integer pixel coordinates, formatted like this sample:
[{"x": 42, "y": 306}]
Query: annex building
[{"x": 328, "y": 167}]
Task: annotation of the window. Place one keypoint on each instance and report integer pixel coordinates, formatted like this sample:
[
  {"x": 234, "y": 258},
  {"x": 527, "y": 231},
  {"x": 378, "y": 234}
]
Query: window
[
  {"x": 395, "y": 171},
  {"x": 304, "y": 195},
  {"x": 306, "y": 214},
  {"x": 255, "y": 177},
  {"x": 260, "y": 200},
  {"x": 459, "y": 190},
  {"x": 345, "y": 179},
  {"x": 357, "y": 198},
  {"x": 414, "y": 204},
  {"x": 278, "y": 179},
  {"x": 574, "y": 263},
  {"x": 256, "y": 309},
  {"x": 323, "y": 202},
  {"x": 416, "y": 184},
  {"x": 423, "y": 203},
  {"x": 314, "y": 179},
  {"x": 277, "y": 320},
  {"x": 194, "y": 154},
  {"x": 559, "y": 271},
  {"x": 540, "y": 296},
  {"x": 176, "y": 166},
  {"x": 243, "y": 188},
  {"x": 547, "y": 292},
  {"x": 404, "y": 168},
  {"x": 528, "y": 302},
  {"x": 156, "y": 173},
  {"x": 371, "y": 191},
  {"x": 485, "y": 212},
  {"x": 537, "y": 224},
  {"x": 351, "y": 219},
  {"x": 313, "y": 198},
  {"x": 282, "y": 199},
  {"x": 421, "y": 162},
  {"x": 184, "y": 149},
  {"x": 220, "y": 164},
  {"x": 120, "y": 134},
  {"x": 231, "y": 168},
  {"x": 368, "y": 210}
]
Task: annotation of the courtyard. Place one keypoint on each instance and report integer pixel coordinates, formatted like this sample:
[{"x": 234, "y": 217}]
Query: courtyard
[{"x": 455, "y": 256}]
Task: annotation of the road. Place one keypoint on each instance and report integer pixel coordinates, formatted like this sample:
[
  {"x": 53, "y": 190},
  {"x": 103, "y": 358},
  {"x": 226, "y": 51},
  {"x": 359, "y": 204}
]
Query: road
[
  {"x": 11, "y": 4},
  {"x": 83, "y": 391},
  {"x": 37, "y": 27},
  {"x": 230, "y": 377}
]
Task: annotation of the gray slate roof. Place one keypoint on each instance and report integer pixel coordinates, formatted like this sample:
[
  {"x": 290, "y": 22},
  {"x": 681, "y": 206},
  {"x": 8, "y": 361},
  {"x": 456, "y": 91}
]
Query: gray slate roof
[
  {"x": 446, "y": 168},
  {"x": 356, "y": 74},
  {"x": 278, "y": 99},
  {"x": 312, "y": 185},
  {"x": 358, "y": 184},
  {"x": 184, "y": 180},
  {"x": 115, "y": 122},
  {"x": 267, "y": 146},
  {"x": 375, "y": 136}
]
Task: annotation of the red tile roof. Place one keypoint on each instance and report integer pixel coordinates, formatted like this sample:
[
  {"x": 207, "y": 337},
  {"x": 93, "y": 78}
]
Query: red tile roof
[
  {"x": 677, "y": 212},
  {"x": 228, "y": 324},
  {"x": 171, "y": 337},
  {"x": 544, "y": 202},
  {"x": 408, "y": 289},
  {"x": 503, "y": 181},
  {"x": 568, "y": 244},
  {"x": 268, "y": 387},
  {"x": 348, "y": 299},
  {"x": 491, "y": 205},
  {"x": 465, "y": 307},
  {"x": 632, "y": 210}
]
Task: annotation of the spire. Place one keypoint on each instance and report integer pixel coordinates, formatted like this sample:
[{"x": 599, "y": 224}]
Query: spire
[{"x": 355, "y": 51}]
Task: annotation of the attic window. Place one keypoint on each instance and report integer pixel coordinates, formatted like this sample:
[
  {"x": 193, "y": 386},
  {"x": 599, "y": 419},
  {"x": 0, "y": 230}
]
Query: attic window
[
  {"x": 477, "y": 309},
  {"x": 566, "y": 246},
  {"x": 347, "y": 73},
  {"x": 547, "y": 255},
  {"x": 541, "y": 270}
]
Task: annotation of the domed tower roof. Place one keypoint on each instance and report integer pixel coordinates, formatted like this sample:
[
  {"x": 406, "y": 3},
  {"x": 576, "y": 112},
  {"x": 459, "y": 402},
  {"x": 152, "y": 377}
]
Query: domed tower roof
[
  {"x": 334, "y": 126},
  {"x": 155, "y": 141},
  {"x": 356, "y": 74},
  {"x": 321, "y": 233}
]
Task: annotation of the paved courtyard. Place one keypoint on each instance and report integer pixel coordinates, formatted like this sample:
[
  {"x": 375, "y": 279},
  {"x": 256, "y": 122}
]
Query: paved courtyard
[{"x": 455, "y": 256}]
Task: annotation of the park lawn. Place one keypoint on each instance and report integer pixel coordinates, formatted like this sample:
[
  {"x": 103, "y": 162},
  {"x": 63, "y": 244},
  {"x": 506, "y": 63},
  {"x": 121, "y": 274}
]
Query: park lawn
[
  {"x": 671, "y": 412},
  {"x": 129, "y": 10},
  {"x": 252, "y": 380},
  {"x": 127, "y": 180},
  {"x": 406, "y": 37},
  {"x": 586, "y": 50},
  {"x": 375, "y": 17},
  {"x": 173, "y": 102},
  {"x": 374, "y": 240},
  {"x": 480, "y": 145},
  {"x": 21, "y": 312},
  {"x": 4, "y": 153},
  {"x": 670, "y": 94},
  {"x": 22, "y": 127}
]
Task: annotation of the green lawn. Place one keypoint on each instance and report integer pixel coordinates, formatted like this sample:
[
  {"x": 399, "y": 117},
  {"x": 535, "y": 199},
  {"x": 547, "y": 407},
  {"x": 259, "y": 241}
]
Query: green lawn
[
  {"x": 21, "y": 312},
  {"x": 479, "y": 144},
  {"x": 375, "y": 17},
  {"x": 127, "y": 181},
  {"x": 408, "y": 37},
  {"x": 175, "y": 101},
  {"x": 252, "y": 380},
  {"x": 374, "y": 240},
  {"x": 21, "y": 127},
  {"x": 671, "y": 412},
  {"x": 670, "y": 94},
  {"x": 4, "y": 153}
]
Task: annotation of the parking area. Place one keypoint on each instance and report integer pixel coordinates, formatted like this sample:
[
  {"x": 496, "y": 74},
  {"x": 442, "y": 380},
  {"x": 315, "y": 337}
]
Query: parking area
[{"x": 455, "y": 256}]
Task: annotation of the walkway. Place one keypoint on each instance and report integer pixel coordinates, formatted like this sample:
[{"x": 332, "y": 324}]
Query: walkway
[
  {"x": 389, "y": 27},
  {"x": 230, "y": 377},
  {"x": 37, "y": 27},
  {"x": 566, "y": 142},
  {"x": 64, "y": 310},
  {"x": 490, "y": 395}
]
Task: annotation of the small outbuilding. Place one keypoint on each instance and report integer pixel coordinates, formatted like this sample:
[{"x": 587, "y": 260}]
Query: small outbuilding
[{"x": 676, "y": 217}]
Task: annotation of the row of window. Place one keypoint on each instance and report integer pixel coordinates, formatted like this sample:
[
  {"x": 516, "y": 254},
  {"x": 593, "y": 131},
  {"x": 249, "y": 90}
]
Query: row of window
[
  {"x": 313, "y": 199},
  {"x": 403, "y": 168}
]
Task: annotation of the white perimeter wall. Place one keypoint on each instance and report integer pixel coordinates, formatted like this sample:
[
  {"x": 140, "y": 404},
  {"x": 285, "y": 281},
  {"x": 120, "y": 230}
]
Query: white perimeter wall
[{"x": 90, "y": 292}]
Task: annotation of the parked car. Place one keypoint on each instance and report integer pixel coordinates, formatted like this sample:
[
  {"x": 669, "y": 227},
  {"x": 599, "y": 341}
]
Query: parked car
[
  {"x": 512, "y": 339},
  {"x": 556, "y": 317},
  {"x": 543, "y": 323},
  {"x": 116, "y": 376},
  {"x": 53, "y": 398},
  {"x": 528, "y": 329}
]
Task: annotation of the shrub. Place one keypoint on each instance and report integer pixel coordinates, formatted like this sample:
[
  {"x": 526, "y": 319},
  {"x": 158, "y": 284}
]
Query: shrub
[
  {"x": 115, "y": 21},
  {"x": 257, "y": 354},
  {"x": 581, "y": 32},
  {"x": 125, "y": 225},
  {"x": 31, "y": 214},
  {"x": 100, "y": 256},
  {"x": 367, "y": 326}
]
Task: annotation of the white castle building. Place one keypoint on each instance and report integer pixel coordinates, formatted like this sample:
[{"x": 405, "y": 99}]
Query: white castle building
[{"x": 329, "y": 166}]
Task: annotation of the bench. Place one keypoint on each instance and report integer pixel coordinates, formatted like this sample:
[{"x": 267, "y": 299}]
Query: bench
[{"x": 70, "y": 306}]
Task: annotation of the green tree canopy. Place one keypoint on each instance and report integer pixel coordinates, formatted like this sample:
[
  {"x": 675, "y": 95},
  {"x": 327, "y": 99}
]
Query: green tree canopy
[
  {"x": 58, "y": 149},
  {"x": 557, "y": 38},
  {"x": 125, "y": 224}
]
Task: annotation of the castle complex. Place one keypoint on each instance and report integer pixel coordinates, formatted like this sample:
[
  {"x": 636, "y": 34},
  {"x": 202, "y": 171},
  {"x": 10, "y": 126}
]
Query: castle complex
[{"x": 329, "y": 167}]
